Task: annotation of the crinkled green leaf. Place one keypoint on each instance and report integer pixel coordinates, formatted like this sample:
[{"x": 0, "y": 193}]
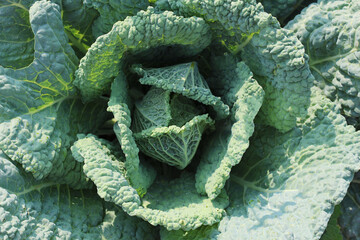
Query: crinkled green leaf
[
  {"x": 135, "y": 34},
  {"x": 271, "y": 52},
  {"x": 141, "y": 176},
  {"x": 224, "y": 149},
  {"x": 31, "y": 209},
  {"x": 106, "y": 171},
  {"x": 164, "y": 203},
  {"x": 349, "y": 220},
  {"x": 329, "y": 31},
  {"x": 72, "y": 117},
  {"x": 184, "y": 79},
  {"x": 152, "y": 111},
  {"x": 273, "y": 188},
  {"x": 112, "y": 11},
  {"x": 30, "y": 96},
  {"x": 40, "y": 114},
  {"x": 16, "y": 37},
  {"x": 287, "y": 184},
  {"x": 173, "y": 145},
  {"x": 120, "y": 92},
  {"x": 175, "y": 204}
]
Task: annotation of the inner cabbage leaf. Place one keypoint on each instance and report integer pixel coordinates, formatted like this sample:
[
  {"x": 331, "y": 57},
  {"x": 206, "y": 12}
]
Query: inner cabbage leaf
[
  {"x": 174, "y": 145},
  {"x": 163, "y": 137},
  {"x": 184, "y": 79}
]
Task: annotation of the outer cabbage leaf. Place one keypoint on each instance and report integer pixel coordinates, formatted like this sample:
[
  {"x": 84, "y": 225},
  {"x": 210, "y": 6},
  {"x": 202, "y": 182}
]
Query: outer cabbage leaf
[
  {"x": 276, "y": 177},
  {"x": 147, "y": 29},
  {"x": 330, "y": 31},
  {"x": 107, "y": 172},
  {"x": 39, "y": 115},
  {"x": 224, "y": 149},
  {"x": 173, "y": 145},
  {"x": 28, "y": 94},
  {"x": 271, "y": 52},
  {"x": 163, "y": 204},
  {"x": 141, "y": 176},
  {"x": 184, "y": 79},
  {"x": 31, "y": 209},
  {"x": 72, "y": 117},
  {"x": 272, "y": 189},
  {"x": 175, "y": 204},
  {"x": 349, "y": 220},
  {"x": 112, "y": 11},
  {"x": 17, "y": 39}
]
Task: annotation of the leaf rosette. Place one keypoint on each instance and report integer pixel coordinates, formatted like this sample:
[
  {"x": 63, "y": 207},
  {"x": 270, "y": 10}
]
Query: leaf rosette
[
  {"x": 199, "y": 117},
  {"x": 160, "y": 117}
]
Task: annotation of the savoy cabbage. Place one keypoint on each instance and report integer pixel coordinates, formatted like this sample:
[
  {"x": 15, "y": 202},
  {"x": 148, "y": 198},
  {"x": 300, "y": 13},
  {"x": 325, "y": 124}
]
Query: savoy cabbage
[{"x": 179, "y": 119}]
